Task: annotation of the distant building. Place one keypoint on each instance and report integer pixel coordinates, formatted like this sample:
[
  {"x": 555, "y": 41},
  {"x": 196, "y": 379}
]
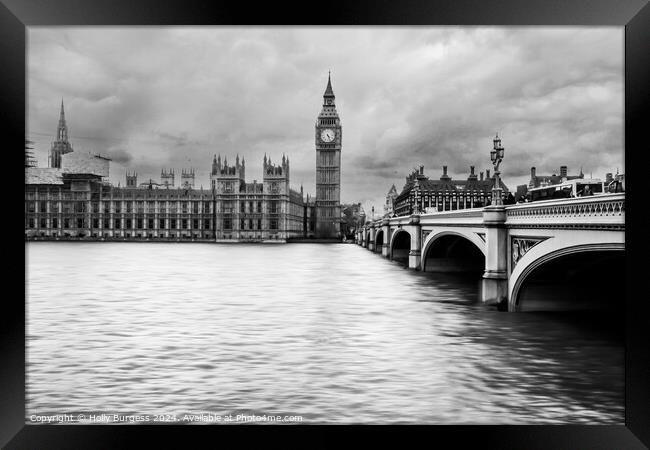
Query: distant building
[
  {"x": 420, "y": 194},
  {"x": 547, "y": 180},
  {"x": 522, "y": 189},
  {"x": 563, "y": 176},
  {"x": 389, "y": 206},
  {"x": 309, "y": 215},
  {"x": 187, "y": 178},
  {"x": 269, "y": 210},
  {"x": 61, "y": 145},
  {"x": 167, "y": 178},
  {"x": 131, "y": 179},
  {"x": 82, "y": 206},
  {"x": 76, "y": 202}
]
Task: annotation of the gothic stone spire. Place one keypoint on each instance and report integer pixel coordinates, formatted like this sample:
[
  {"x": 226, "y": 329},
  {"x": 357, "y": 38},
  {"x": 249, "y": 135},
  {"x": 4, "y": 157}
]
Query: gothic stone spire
[
  {"x": 62, "y": 129},
  {"x": 328, "y": 91}
]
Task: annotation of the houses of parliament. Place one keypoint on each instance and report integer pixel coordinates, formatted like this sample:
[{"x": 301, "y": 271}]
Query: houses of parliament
[{"x": 73, "y": 199}]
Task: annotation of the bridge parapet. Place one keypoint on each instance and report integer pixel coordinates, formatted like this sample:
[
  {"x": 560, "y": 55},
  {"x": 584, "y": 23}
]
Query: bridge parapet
[
  {"x": 601, "y": 211},
  {"x": 460, "y": 217},
  {"x": 462, "y": 213},
  {"x": 400, "y": 220}
]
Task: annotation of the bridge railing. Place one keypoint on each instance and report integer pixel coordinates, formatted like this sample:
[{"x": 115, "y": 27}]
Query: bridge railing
[{"x": 597, "y": 210}]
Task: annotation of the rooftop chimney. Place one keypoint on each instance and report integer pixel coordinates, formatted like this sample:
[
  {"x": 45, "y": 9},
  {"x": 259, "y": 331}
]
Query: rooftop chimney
[
  {"x": 444, "y": 173},
  {"x": 487, "y": 173},
  {"x": 481, "y": 176},
  {"x": 532, "y": 172},
  {"x": 563, "y": 171},
  {"x": 471, "y": 170}
]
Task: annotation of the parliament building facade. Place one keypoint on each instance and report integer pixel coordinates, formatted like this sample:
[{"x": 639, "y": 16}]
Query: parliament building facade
[{"x": 71, "y": 199}]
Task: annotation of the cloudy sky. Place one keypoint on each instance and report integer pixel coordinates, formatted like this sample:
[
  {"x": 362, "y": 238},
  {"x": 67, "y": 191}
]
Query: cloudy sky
[{"x": 154, "y": 97}]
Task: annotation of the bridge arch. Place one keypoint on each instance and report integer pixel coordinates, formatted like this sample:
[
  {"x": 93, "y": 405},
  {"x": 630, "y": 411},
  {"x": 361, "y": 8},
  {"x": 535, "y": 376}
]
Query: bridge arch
[
  {"x": 591, "y": 275},
  {"x": 453, "y": 251},
  {"x": 379, "y": 240},
  {"x": 400, "y": 246}
]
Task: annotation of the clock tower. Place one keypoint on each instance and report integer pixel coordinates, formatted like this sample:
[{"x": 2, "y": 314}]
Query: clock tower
[{"x": 328, "y": 168}]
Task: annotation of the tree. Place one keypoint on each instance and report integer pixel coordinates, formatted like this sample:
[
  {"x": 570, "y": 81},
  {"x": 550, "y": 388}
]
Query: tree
[{"x": 352, "y": 218}]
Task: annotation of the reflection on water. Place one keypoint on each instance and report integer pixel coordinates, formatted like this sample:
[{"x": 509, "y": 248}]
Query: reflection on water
[{"x": 333, "y": 333}]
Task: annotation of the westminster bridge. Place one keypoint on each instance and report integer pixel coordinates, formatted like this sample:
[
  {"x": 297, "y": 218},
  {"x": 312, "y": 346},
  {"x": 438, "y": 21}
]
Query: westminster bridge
[{"x": 513, "y": 246}]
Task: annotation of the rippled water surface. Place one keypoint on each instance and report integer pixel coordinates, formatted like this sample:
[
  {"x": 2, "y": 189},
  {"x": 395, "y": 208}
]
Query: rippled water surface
[{"x": 332, "y": 333}]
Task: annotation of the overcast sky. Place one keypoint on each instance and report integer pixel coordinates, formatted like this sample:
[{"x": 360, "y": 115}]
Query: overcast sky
[{"x": 154, "y": 97}]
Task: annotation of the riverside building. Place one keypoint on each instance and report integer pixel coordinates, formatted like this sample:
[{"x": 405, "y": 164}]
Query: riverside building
[
  {"x": 421, "y": 194},
  {"x": 72, "y": 198},
  {"x": 75, "y": 202}
]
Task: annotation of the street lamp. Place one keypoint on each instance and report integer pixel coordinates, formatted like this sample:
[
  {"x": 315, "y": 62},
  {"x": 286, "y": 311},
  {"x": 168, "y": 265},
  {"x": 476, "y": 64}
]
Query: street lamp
[{"x": 496, "y": 155}]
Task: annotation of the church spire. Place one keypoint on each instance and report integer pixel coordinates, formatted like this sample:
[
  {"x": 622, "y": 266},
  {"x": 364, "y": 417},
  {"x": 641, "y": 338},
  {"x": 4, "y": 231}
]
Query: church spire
[
  {"x": 62, "y": 129},
  {"x": 61, "y": 145}
]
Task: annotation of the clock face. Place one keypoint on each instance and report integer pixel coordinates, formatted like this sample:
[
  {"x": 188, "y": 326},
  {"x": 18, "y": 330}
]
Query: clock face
[{"x": 327, "y": 135}]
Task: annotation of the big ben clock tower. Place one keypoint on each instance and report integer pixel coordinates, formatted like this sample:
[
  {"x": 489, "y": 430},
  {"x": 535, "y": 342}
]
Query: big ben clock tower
[{"x": 328, "y": 168}]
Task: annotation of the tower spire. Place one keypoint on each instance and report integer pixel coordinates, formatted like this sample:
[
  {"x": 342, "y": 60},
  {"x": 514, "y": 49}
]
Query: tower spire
[
  {"x": 62, "y": 129},
  {"x": 61, "y": 145},
  {"x": 329, "y": 92}
]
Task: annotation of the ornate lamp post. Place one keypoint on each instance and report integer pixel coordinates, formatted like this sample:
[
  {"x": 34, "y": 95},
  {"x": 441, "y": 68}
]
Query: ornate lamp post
[
  {"x": 496, "y": 155},
  {"x": 495, "y": 278}
]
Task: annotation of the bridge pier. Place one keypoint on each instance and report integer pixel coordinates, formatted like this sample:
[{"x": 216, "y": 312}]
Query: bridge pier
[
  {"x": 385, "y": 247},
  {"x": 415, "y": 259},
  {"x": 373, "y": 235},
  {"x": 495, "y": 278}
]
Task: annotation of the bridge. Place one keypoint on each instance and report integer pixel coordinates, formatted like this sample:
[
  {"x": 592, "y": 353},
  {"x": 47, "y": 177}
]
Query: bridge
[{"x": 513, "y": 247}]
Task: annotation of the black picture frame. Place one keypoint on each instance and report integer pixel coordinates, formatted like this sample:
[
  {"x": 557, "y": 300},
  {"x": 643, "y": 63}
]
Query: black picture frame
[{"x": 634, "y": 15}]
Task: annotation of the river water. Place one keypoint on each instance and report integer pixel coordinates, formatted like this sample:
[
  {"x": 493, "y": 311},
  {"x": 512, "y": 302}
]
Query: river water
[{"x": 329, "y": 333}]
